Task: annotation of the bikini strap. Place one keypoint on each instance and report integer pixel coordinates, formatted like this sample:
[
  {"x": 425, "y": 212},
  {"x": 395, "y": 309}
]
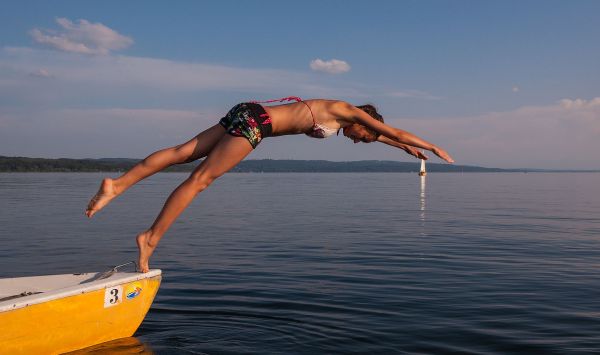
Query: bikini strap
[
  {"x": 311, "y": 113},
  {"x": 289, "y": 98}
]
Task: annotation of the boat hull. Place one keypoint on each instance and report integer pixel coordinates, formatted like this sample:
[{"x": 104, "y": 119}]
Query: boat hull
[{"x": 77, "y": 321}]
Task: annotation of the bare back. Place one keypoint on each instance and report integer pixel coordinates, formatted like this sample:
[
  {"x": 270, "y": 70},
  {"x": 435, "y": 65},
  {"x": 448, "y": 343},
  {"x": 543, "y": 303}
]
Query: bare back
[{"x": 296, "y": 118}]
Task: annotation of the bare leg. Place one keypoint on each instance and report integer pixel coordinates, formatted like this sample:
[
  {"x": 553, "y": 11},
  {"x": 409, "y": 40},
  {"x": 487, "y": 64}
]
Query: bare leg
[
  {"x": 195, "y": 148},
  {"x": 228, "y": 152}
]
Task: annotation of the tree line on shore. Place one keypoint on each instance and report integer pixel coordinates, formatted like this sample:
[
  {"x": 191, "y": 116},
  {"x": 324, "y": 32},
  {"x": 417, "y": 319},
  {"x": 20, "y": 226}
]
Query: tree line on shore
[{"x": 25, "y": 164}]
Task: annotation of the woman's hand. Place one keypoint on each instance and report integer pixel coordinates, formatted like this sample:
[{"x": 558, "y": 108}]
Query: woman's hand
[
  {"x": 414, "y": 152},
  {"x": 442, "y": 154}
]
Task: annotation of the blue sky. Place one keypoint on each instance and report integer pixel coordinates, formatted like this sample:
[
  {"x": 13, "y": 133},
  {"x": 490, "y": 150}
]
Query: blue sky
[{"x": 505, "y": 83}]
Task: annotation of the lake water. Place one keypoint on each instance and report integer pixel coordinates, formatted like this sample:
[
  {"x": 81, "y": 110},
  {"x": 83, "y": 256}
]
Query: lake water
[{"x": 335, "y": 263}]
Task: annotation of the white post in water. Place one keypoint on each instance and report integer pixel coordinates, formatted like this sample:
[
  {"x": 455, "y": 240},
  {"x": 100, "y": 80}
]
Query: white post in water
[{"x": 422, "y": 172}]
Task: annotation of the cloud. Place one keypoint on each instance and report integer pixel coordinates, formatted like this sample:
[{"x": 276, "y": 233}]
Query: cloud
[
  {"x": 141, "y": 73},
  {"x": 333, "y": 66},
  {"x": 35, "y": 121},
  {"x": 82, "y": 37},
  {"x": 40, "y": 73},
  {"x": 563, "y": 135},
  {"x": 93, "y": 132},
  {"x": 110, "y": 76},
  {"x": 580, "y": 104},
  {"x": 413, "y": 94}
]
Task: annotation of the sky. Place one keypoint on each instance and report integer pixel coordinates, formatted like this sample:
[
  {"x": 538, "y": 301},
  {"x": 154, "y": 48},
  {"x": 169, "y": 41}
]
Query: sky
[{"x": 509, "y": 84}]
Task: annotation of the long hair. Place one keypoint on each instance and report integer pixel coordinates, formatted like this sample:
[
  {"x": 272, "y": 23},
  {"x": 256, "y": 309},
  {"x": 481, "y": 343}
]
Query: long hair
[{"x": 372, "y": 111}]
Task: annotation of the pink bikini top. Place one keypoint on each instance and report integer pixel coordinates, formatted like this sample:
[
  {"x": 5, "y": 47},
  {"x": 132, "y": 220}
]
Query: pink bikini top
[{"x": 318, "y": 130}]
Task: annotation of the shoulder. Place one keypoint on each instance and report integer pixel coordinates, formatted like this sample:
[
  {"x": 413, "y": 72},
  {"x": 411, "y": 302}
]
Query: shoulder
[
  {"x": 336, "y": 109},
  {"x": 341, "y": 109}
]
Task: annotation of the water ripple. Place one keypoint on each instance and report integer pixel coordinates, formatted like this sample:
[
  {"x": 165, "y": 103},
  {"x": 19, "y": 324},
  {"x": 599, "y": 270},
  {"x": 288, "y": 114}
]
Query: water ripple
[{"x": 335, "y": 263}]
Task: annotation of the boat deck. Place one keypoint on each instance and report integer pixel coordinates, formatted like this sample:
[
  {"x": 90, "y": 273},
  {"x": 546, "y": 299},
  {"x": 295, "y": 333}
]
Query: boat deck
[{"x": 23, "y": 291}]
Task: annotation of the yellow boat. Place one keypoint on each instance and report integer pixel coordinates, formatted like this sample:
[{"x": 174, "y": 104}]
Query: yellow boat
[{"x": 59, "y": 313}]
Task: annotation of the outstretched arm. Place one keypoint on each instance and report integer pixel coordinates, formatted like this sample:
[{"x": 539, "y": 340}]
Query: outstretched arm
[
  {"x": 359, "y": 116},
  {"x": 412, "y": 140},
  {"x": 405, "y": 147}
]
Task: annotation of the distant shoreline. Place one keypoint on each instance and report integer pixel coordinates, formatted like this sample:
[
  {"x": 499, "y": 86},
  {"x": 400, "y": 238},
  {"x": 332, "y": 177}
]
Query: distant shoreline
[{"x": 34, "y": 165}]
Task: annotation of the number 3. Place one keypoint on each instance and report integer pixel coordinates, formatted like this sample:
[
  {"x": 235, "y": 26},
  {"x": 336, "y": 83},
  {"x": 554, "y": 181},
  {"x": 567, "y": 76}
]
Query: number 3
[
  {"x": 115, "y": 293},
  {"x": 112, "y": 296}
]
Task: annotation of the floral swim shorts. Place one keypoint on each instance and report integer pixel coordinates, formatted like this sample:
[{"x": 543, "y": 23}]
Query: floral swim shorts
[{"x": 248, "y": 120}]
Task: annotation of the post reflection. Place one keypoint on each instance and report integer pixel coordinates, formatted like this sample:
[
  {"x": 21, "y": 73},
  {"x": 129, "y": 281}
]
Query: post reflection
[{"x": 422, "y": 205}]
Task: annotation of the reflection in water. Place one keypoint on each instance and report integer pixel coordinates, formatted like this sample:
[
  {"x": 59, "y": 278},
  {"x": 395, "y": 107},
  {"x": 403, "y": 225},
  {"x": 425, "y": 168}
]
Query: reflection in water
[
  {"x": 121, "y": 346},
  {"x": 509, "y": 263},
  {"x": 422, "y": 200}
]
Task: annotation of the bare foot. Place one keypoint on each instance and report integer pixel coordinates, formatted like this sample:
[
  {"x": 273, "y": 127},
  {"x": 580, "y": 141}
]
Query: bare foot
[
  {"x": 146, "y": 248},
  {"x": 105, "y": 193}
]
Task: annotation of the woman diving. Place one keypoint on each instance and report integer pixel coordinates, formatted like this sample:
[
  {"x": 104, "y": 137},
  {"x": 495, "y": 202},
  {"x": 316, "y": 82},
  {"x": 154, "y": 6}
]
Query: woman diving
[{"x": 228, "y": 142}]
